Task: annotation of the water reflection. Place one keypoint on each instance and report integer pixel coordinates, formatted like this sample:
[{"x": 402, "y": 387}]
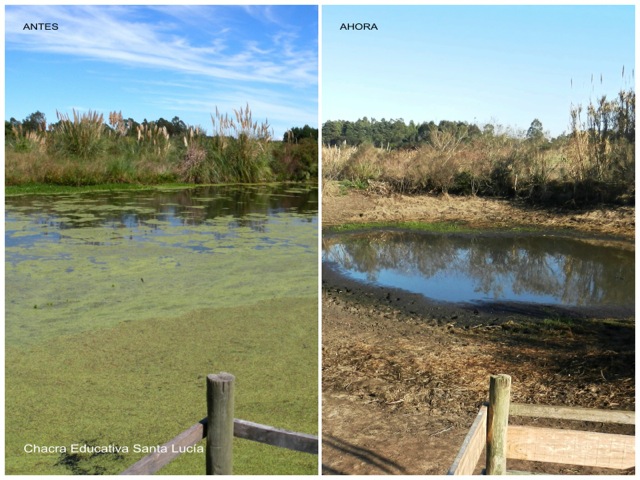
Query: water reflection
[
  {"x": 139, "y": 215},
  {"x": 465, "y": 268}
]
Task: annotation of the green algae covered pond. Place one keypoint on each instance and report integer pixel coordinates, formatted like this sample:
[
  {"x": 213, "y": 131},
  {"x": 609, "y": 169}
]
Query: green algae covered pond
[{"x": 118, "y": 304}]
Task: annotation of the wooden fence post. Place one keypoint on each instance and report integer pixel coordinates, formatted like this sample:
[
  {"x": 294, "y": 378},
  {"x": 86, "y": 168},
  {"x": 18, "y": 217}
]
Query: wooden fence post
[
  {"x": 497, "y": 421},
  {"x": 219, "y": 450}
]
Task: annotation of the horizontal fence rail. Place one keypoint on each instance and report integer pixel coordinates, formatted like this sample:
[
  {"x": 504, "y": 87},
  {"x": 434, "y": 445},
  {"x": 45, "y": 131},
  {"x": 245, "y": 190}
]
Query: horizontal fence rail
[
  {"x": 256, "y": 432},
  {"x": 277, "y": 437},
  {"x": 244, "y": 429},
  {"x": 573, "y": 413},
  {"x": 155, "y": 461},
  {"x": 571, "y": 447}
]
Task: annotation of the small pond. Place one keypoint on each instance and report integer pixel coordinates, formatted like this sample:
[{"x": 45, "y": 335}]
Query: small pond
[
  {"x": 80, "y": 261},
  {"x": 500, "y": 267}
]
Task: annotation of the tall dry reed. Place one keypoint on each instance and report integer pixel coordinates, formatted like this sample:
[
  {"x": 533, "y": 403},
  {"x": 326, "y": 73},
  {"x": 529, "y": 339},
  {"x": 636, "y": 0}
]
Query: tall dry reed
[{"x": 241, "y": 146}]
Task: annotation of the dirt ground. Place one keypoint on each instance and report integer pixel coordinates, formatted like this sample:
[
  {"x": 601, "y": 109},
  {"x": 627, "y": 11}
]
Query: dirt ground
[{"x": 403, "y": 377}]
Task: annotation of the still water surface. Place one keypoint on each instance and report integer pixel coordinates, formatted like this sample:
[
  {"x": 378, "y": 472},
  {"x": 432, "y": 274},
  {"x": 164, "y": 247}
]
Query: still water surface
[
  {"x": 541, "y": 269},
  {"x": 79, "y": 261}
]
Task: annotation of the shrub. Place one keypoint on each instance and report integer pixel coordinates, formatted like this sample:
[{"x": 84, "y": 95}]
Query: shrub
[
  {"x": 363, "y": 165},
  {"x": 296, "y": 160},
  {"x": 196, "y": 167}
]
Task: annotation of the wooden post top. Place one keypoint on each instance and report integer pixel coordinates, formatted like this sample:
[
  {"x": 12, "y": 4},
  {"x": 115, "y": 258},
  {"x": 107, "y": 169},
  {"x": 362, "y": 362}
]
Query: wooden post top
[{"x": 221, "y": 377}]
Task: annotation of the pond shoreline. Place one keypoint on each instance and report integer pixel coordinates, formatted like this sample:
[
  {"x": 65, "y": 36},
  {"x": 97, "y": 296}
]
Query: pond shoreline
[
  {"x": 346, "y": 208},
  {"x": 463, "y": 315},
  {"x": 403, "y": 377}
]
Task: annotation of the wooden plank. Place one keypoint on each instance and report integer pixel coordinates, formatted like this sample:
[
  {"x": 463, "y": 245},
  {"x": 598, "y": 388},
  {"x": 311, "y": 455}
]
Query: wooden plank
[
  {"x": 497, "y": 420},
  {"x": 471, "y": 449},
  {"x": 220, "y": 403},
  {"x": 277, "y": 437},
  {"x": 571, "y": 447},
  {"x": 168, "y": 451},
  {"x": 573, "y": 413}
]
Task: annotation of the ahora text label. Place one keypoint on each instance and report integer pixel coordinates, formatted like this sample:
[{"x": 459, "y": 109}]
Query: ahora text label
[{"x": 358, "y": 26}]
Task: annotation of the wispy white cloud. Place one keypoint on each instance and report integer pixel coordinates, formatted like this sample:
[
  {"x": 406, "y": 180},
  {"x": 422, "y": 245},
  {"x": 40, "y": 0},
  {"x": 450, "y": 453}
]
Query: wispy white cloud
[
  {"x": 264, "y": 13},
  {"x": 119, "y": 35},
  {"x": 281, "y": 111}
]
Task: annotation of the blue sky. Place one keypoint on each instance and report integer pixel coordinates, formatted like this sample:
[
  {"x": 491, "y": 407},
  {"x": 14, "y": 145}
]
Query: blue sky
[
  {"x": 504, "y": 65},
  {"x": 165, "y": 61}
]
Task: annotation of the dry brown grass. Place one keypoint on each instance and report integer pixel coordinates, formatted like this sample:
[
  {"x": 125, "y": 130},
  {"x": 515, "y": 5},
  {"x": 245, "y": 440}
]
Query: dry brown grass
[
  {"x": 400, "y": 363},
  {"x": 334, "y": 160},
  {"x": 496, "y": 166}
]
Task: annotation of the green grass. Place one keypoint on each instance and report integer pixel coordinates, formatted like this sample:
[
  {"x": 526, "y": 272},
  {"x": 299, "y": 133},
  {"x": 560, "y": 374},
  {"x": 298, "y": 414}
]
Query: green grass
[
  {"x": 438, "y": 227},
  {"x": 47, "y": 189},
  {"x": 143, "y": 382},
  {"x": 558, "y": 323},
  {"x": 346, "y": 185},
  {"x": 435, "y": 227}
]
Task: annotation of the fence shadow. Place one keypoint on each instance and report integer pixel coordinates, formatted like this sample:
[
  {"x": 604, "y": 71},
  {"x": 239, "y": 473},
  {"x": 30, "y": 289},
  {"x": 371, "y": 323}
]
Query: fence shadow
[{"x": 385, "y": 465}]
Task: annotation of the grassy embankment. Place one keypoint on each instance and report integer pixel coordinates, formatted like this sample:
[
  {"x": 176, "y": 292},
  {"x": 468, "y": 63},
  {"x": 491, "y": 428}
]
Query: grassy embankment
[
  {"x": 83, "y": 150},
  {"x": 595, "y": 163}
]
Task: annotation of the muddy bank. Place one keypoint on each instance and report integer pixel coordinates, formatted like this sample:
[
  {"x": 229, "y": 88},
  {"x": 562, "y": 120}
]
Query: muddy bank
[
  {"x": 403, "y": 377},
  {"x": 463, "y": 315}
]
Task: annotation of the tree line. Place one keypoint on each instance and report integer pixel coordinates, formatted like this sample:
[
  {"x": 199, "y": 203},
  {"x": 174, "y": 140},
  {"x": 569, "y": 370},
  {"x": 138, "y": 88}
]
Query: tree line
[{"x": 395, "y": 133}]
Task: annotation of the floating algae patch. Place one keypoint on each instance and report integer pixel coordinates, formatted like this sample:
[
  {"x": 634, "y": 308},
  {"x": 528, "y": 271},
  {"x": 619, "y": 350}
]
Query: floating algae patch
[
  {"x": 143, "y": 382},
  {"x": 128, "y": 281},
  {"x": 79, "y": 277},
  {"x": 205, "y": 199},
  {"x": 24, "y": 234},
  {"x": 155, "y": 221}
]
